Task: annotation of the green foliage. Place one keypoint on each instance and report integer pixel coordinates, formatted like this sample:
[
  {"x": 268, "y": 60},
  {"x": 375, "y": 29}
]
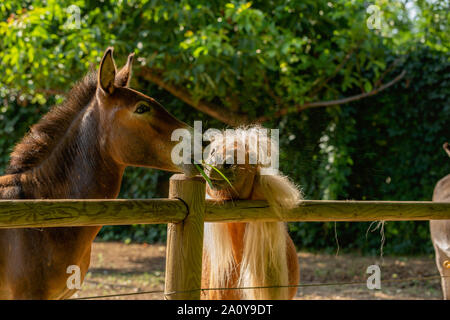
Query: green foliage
[
  {"x": 217, "y": 50},
  {"x": 388, "y": 147},
  {"x": 433, "y": 24},
  {"x": 255, "y": 58}
]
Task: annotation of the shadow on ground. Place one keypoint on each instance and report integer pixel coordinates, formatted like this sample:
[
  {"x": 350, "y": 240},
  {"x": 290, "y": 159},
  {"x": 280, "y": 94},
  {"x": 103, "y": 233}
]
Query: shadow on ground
[{"x": 118, "y": 268}]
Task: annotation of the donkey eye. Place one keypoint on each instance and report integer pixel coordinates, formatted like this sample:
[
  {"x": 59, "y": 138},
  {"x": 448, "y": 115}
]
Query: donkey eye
[{"x": 142, "y": 108}]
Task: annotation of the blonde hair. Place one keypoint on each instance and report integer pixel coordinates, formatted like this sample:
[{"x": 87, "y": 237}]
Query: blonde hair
[{"x": 264, "y": 260}]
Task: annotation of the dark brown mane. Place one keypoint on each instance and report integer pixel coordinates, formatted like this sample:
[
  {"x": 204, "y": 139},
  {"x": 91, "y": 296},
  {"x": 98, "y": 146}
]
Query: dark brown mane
[
  {"x": 44, "y": 135},
  {"x": 79, "y": 150}
]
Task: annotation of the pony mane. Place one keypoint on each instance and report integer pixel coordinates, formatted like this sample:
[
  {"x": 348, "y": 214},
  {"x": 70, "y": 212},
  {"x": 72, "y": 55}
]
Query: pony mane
[
  {"x": 264, "y": 253},
  {"x": 44, "y": 135},
  {"x": 243, "y": 139},
  {"x": 279, "y": 191}
]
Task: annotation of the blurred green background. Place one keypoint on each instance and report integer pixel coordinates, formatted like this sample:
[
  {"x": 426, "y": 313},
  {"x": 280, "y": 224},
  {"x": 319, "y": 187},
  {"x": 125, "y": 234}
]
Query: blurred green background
[{"x": 232, "y": 62}]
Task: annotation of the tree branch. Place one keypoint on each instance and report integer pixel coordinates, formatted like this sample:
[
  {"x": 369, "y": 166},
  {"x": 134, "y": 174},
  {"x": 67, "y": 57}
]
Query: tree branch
[
  {"x": 335, "y": 72},
  {"x": 318, "y": 104},
  {"x": 389, "y": 69},
  {"x": 224, "y": 115},
  {"x": 216, "y": 111}
]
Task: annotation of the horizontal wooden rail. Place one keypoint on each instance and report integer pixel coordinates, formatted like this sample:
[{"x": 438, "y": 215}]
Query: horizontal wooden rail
[
  {"x": 75, "y": 213},
  {"x": 59, "y": 213},
  {"x": 324, "y": 210}
]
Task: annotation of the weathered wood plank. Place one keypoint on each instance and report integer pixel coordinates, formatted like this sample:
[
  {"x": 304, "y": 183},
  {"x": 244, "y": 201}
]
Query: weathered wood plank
[
  {"x": 322, "y": 210},
  {"x": 58, "y": 213}
]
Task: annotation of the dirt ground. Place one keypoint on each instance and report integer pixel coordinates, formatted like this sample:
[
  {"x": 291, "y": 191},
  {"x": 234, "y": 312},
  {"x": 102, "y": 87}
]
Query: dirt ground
[{"x": 118, "y": 268}]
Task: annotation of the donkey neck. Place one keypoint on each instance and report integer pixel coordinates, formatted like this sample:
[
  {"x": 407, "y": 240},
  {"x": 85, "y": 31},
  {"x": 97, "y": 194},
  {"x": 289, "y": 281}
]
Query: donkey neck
[{"x": 79, "y": 167}]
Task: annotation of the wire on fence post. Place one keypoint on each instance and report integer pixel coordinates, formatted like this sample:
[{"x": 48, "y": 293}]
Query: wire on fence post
[{"x": 185, "y": 240}]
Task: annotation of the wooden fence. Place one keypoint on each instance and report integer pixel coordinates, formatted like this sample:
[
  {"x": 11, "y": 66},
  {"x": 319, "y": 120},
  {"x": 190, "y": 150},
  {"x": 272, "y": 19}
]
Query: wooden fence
[{"x": 185, "y": 212}]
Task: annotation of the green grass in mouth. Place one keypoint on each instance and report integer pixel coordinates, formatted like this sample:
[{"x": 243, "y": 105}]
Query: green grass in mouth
[{"x": 202, "y": 172}]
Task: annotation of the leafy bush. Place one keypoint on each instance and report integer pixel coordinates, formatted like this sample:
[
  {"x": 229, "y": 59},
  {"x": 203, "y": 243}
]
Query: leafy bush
[
  {"x": 388, "y": 147},
  {"x": 250, "y": 60}
]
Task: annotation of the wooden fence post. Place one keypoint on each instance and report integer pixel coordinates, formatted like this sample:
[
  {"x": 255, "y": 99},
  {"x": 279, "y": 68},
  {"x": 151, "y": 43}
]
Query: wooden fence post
[{"x": 185, "y": 240}]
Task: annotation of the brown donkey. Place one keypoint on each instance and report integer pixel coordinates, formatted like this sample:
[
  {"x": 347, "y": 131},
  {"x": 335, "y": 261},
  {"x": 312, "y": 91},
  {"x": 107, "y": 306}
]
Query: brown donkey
[
  {"x": 440, "y": 233},
  {"x": 79, "y": 150}
]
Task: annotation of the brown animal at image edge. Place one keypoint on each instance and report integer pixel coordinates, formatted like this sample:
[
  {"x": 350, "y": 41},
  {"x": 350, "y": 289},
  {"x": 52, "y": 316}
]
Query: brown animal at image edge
[
  {"x": 79, "y": 150},
  {"x": 440, "y": 233}
]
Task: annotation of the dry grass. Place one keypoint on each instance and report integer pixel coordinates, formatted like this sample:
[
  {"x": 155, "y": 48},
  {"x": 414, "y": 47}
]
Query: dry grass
[{"x": 120, "y": 268}]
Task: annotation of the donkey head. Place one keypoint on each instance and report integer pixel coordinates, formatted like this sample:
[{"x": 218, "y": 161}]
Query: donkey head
[{"x": 136, "y": 128}]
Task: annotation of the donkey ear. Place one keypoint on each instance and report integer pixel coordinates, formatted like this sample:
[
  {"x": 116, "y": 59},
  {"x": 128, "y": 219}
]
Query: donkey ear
[
  {"x": 107, "y": 72},
  {"x": 124, "y": 75},
  {"x": 446, "y": 147}
]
